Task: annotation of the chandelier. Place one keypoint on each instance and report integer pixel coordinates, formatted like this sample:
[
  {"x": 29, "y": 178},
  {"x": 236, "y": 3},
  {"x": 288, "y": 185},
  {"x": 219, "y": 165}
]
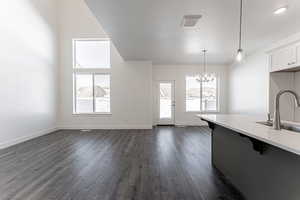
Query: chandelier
[{"x": 206, "y": 77}]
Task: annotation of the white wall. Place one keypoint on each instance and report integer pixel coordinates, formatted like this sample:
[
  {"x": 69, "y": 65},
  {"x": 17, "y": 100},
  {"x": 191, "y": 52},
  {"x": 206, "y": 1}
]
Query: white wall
[
  {"x": 282, "y": 81},
  {"x": 28, "y": 71},
  {"x": 252, "y": 88},
  {"x": 178, "y": 73},
  {"x": 131, "y": 82},
  {"x": 249, "y": 85},
  {"x": 297, "y": 89},
  {"x": 286, "y": 80}
]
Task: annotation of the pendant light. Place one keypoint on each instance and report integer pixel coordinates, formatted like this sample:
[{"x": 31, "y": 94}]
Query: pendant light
[
  {"x": 206, "y": 77},
  {"x": 240, "y": 51}
]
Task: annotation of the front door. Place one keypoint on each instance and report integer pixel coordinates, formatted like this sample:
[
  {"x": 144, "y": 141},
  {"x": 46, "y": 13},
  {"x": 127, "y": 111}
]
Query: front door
[{"x": 166, "y": 102}]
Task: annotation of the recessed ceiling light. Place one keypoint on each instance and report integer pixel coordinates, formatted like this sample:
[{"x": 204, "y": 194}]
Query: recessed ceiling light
[{"x": 280, "y": 10}]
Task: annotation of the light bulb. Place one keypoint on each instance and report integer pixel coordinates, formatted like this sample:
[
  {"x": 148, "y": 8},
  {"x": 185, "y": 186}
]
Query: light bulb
[
  {"x": 204, "y": 78},
  {"x": 239, "y": 56},
  {"x": 199, "y": 78},
  {"x": 207, "y": 78}
]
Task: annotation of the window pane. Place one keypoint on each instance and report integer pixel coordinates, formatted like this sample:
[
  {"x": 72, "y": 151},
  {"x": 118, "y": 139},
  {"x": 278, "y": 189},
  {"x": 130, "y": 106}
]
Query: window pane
[
  {"x": 209, "y": 95},
  {"x": 102, "y": 93},
  {"x": 84, "y": 93},
  {"x": 192, "y": 93},
  {"x": 92, "y": 54},
  {"x": 165, "y": 105}
]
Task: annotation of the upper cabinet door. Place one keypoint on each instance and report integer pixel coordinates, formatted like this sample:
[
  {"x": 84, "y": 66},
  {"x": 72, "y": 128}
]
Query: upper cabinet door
[
  {"x": 283, "y": 59},
  {"x": 298, "y": 55},
  {"x": 293, "y": 57}
]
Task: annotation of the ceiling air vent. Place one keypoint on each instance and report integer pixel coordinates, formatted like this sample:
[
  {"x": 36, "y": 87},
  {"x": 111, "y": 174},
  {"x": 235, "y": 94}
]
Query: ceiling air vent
[{"x": 190, "y": 21}]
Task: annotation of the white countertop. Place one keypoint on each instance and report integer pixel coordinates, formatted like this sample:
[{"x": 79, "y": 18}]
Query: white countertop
[{"x": 287, "y": 140}]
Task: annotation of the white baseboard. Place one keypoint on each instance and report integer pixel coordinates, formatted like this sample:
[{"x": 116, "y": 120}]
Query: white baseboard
[
  {"x": 200, "y": 123},
  {"x": 104, "y": 127},
  {"x": 100, "y": 127},
  {"x": 190, "y": 125},
  {"x": 26, "y": 138}
]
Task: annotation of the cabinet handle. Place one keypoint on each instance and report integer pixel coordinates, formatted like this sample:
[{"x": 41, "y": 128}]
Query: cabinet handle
[{"x": 292, "y": 63}]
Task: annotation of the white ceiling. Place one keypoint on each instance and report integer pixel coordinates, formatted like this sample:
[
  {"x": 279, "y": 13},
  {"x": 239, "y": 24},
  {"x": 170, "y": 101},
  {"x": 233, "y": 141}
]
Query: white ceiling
[{"x": 150, "y": 29}]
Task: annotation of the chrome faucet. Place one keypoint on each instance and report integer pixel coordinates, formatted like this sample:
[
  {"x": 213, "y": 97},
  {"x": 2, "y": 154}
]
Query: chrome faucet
[{"x": 277, "y": 121}]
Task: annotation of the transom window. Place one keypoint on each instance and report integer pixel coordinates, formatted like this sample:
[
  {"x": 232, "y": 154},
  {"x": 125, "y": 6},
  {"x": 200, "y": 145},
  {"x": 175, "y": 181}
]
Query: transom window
[
  {"x": 91, "y": 72},
  {"x": 201, "y": 96},
  {"x": 92, "y": 54}
]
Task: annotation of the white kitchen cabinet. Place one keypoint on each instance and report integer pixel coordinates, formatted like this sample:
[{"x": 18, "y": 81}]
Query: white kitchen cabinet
[
  {"x": 298, "y": 54},
  {"x": 285, "y": 58}
]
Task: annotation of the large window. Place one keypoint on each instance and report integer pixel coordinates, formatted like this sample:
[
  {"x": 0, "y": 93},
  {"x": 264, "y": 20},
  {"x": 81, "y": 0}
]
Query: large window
[
  {"x": 201, "y": 96},
  {"x": 91, "y": 72},
  {"x": 193, "y": 94}
]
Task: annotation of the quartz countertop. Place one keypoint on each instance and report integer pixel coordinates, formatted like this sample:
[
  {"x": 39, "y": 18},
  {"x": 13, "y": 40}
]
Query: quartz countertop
[{"x": 246, "y": 125}]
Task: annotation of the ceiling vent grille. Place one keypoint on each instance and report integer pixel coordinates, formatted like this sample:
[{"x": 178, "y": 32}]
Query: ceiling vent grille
[{"x": 190, "y": 21}]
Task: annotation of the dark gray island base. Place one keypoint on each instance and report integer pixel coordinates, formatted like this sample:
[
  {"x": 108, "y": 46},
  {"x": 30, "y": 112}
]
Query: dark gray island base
[{"x": 258, "y": 170}]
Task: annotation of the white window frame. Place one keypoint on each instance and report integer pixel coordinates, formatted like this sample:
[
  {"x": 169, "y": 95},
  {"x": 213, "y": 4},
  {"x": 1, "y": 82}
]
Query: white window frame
[
  {"x": 201, "y": 93},
  {"x": 90, "y": 71}
]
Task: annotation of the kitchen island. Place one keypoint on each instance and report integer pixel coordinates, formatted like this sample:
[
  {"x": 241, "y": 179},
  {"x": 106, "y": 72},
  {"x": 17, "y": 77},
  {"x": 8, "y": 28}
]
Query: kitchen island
[{"x": 262, "y": 163}]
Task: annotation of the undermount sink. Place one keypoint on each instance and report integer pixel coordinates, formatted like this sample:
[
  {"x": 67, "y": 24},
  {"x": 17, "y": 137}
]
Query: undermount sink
[
  {"x": 267, "y": 123},
  {"x": 284, "y": 125}
]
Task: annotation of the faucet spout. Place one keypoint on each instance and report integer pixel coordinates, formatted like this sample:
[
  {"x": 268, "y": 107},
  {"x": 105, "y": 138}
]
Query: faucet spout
[{"x": 277, "y": 121}]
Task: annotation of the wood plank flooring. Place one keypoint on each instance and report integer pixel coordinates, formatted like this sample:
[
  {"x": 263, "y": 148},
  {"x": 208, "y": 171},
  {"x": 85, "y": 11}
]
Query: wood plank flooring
[{"x": 166, "y": 163}]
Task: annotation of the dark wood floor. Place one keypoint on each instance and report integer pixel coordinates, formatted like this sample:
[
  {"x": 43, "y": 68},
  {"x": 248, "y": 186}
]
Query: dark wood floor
[{"x": 159, "y": 164}]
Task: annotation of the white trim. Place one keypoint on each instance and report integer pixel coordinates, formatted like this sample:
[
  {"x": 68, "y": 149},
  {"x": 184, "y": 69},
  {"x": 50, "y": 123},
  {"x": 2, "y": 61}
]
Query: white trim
[
  {"x": 74, "y": 93},
  {"x": 292, "y": 39},
  {"x": 104, "y": 127},
  {"x": 91, "y": 114},
  {"x": 203, "y": 112},
  {"x": 104, "y": 38},
  {"x": 26, "y": 138},
  {"x": 92, "y": 70},
  {"x": 94, "y": 102},
  {"x": 201, "y": 123}
]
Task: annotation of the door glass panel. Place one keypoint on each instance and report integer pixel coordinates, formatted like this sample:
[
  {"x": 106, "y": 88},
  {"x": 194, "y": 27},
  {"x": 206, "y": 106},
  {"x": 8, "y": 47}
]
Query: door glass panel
[{"x": 165, "y": 100}]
